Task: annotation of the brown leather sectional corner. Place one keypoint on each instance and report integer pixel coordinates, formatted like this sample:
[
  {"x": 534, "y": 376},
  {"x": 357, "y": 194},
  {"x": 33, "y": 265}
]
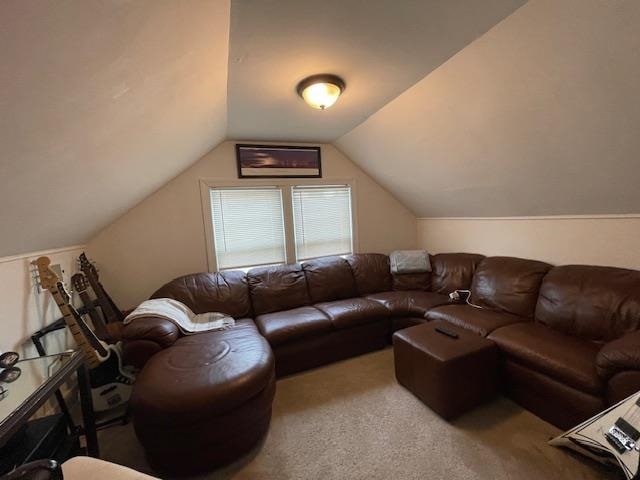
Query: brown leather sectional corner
[{"x": 568, "y": 337}]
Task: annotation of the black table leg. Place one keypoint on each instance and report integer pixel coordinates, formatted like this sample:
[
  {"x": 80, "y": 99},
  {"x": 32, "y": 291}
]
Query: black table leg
[
  {"x": 35, "y": 338},
  {"x": 87, "y": 412}
]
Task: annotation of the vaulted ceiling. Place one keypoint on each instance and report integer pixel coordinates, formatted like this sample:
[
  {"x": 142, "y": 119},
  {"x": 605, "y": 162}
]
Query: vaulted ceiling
[
  {"x": 492, "y": 107},
  {"x": 102, "y": 102},
  {"x": 380, "y": 47},
  {"x": 539, "y": 116}
]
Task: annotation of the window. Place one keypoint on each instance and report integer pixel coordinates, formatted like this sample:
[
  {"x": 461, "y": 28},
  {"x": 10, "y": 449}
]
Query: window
[
  {"x": 248, "y": 226},
  {"x": 322, "y": 220},
  {"x": 273, "y": 222}
]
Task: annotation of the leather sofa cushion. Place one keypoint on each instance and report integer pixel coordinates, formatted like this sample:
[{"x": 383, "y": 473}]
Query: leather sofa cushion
[
  {"x": 590, "y": 302},
  {"x": 225, "y": 292},
  {"x": 329, "y": 278},
  {"x": 479, "y": 320},
  {"x": 289, "y": 325},
  {"x": 409, "y": 303},
  {"x": 330, "y": 347},
  {"x": 371, "y": 272},
  {"x": 453, "y": 271},
  {"x": 209, "y": 374},
  {"x": 508, "y": 284},
  {"x": 211, "y": 389},
  {"x": 411, "y": 281},
  {"x": 569, "y": 360},
  {"x": 353, "y": 312},
  {"x": 277, "y": 288}
]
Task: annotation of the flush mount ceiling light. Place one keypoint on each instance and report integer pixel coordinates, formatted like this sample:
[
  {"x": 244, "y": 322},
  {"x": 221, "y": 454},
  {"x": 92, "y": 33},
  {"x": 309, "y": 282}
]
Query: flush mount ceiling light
[{"x": 321, "y": 91}]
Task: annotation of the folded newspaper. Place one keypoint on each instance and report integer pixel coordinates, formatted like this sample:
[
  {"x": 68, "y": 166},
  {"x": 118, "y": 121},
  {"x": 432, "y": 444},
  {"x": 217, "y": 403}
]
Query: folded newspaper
[
  {"x": 410, "y": 261},
  {"x": 178, "y": 313}
]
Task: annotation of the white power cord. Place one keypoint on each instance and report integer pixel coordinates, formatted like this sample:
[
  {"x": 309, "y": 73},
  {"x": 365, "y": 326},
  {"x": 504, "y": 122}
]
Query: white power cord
[{"x": 456, "y": 297}]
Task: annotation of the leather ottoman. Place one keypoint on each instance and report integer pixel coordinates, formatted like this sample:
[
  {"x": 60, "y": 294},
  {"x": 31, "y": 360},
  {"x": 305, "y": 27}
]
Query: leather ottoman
[
  {"x": 206, "y": 401},
  {"x": 450, "y": 375}
]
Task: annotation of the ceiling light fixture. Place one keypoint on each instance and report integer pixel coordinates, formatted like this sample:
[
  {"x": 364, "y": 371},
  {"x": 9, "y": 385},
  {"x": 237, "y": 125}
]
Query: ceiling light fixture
[{"x": 321, "y": 91}]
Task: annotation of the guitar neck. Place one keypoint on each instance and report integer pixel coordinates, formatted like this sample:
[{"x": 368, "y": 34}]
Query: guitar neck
[
  {"x": 76, "y": 330},
  {"x": 98, "y": 322},
  {"x": 109, "y": 309}
]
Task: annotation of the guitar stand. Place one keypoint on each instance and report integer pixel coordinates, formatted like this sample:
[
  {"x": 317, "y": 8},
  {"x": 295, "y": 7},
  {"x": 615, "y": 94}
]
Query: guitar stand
[{"x": 62, "y": 404}]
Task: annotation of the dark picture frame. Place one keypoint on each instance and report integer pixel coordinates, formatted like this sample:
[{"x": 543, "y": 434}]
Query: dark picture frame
[{"x": 278, "y": 161}]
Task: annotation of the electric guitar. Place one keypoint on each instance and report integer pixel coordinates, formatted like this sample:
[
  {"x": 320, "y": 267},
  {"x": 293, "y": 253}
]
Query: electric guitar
[
  {"x": 111, "y": 384},
  {"x": 609, "y": 437},
  {"x": 109, "y": 309},
  {"x": 80, "y": 285}
]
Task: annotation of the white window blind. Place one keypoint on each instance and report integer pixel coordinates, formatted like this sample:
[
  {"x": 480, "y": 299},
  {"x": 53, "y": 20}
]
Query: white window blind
[
  {"x": 248, "y": 226},
  {"x": 322, "y": 220}
]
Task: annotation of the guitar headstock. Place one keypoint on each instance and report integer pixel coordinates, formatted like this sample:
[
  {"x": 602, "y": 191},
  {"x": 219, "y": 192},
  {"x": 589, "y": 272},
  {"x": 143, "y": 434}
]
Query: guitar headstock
[
  {"x": 86, "y": 266},
  {"x": 48, "y": 278},
  {"x": 79, "y": 282}
]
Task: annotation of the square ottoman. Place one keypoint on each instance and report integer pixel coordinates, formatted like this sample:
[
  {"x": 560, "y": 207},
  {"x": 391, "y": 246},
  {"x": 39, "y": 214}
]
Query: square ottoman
[{"x": 450, "y": 375}]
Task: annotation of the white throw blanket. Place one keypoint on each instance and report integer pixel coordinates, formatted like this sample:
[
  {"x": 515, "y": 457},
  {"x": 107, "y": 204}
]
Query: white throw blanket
[
  {"x": 410, "y": 261},
  {"x": 178, "y": 313}
]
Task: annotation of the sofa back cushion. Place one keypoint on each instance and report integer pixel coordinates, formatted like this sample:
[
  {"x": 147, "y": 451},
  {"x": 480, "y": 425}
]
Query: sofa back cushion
[
  {"x": 329, "y": 278},
  {"x": 508, "y": 284},
  {"x": 453, "y": 271},
  {"x": 593, "y": 303},
  {"x": 226, "y": 292},
  {"x": 371, "y": 271},
  {"x": 411, "y": 281},
  {"x": 278, "y": 288}
]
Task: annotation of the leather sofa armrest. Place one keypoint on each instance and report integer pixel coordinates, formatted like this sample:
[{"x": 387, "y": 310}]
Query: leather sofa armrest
[
  {"x": 144, "y": 337},
  {"x": 155, "y": 329},
  {"x": 619, "y": 355}
]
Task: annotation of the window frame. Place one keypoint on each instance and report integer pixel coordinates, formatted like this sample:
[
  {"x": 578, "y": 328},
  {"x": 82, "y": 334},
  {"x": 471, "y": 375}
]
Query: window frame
[{"x": 285, "y": 186}]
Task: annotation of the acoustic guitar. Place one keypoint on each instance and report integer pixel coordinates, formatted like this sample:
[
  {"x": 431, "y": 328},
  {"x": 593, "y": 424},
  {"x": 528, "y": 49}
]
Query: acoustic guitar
[
  {"x": 109, "y": 309},
  {"x": 111, "y": 383},
  {"x": 610, "y": 437}
]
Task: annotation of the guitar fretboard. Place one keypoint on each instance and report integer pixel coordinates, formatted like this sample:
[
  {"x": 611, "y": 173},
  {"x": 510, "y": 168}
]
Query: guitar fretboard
[{"x": 78, "y": 335}]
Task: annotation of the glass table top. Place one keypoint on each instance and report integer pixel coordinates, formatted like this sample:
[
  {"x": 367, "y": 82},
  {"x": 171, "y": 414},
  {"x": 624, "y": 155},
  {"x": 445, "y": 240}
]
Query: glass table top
[{"x": 34, "y": 374}]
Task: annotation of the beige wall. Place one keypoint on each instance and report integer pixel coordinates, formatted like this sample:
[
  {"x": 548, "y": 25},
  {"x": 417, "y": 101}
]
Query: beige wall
[
  {"x": 604, "y": 240},
  {"x": 164, "y": 236},
  {"x": 24, "y": 309}
]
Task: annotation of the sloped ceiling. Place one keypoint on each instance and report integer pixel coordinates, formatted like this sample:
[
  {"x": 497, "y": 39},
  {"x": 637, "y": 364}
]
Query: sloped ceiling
[
  {"x": 102, "y": 102},
  {"x": 380, "y": 47},
  {"x": 539, "y": 116}
]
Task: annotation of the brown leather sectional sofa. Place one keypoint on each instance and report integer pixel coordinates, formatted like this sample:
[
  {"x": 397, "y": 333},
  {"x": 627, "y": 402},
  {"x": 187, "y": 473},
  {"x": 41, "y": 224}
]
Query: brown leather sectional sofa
[
  {"x": 311, "y": 314},
  {"x": 568, "y": 336}
]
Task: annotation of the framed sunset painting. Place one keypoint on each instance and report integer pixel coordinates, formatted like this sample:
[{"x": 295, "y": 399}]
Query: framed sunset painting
[{"x": 278, "y": 161}]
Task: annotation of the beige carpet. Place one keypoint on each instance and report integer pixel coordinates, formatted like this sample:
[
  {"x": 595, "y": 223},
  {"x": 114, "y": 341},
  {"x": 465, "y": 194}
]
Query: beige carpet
[{"x": 351, "y": 420}]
